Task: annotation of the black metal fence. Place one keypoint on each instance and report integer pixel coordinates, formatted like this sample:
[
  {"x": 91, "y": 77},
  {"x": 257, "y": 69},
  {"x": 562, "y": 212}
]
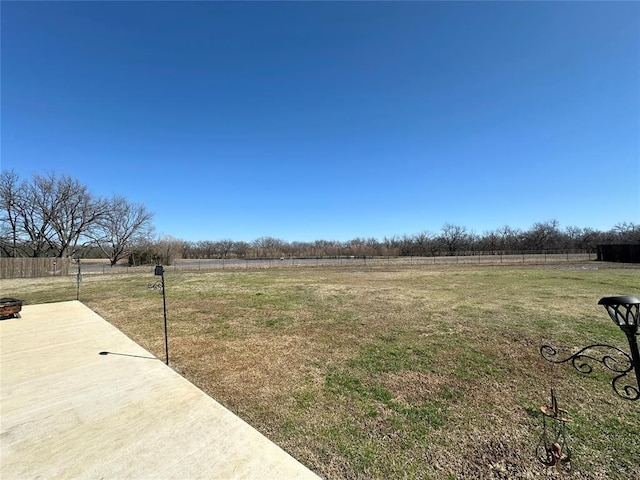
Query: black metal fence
[{"x": 43, "y": 267}]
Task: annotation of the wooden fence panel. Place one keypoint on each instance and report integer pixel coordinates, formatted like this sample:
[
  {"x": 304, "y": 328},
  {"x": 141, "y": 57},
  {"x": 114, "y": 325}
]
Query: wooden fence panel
[{"x": 33, "y": 267}]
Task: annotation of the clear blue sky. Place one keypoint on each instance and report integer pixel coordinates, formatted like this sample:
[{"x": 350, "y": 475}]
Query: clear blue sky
[{"x": 308, "y": 121}]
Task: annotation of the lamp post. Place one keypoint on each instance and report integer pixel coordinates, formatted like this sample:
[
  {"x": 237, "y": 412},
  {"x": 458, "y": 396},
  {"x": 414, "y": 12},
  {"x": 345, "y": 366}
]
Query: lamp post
[
  {"x": 625, "y": 313},
  {"x": 159, "y": 285},
  {"x": 78, "y": 279}
]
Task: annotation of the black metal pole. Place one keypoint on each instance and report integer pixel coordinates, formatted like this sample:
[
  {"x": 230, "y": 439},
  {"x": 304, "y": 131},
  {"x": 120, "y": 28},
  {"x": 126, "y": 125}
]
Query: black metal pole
[
  {"x": 635, "y": 355},
  {"x": 78, "y": 280},
  {"x": 166, "y": 337}
]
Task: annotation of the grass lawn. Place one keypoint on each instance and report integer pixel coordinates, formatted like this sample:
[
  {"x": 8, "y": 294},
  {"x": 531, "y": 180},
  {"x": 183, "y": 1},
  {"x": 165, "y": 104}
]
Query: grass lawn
[{"x": 388, "y": 373}]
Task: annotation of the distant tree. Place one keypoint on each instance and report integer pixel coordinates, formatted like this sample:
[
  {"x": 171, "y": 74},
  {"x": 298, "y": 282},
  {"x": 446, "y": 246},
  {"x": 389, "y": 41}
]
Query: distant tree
[
  {"x": 167, "y": 249},
  {"x": 190, "y": 250},
  {"x": 319, "y": 248},
  {"x": 224, "y": 247},
  {"x": 301, "y": 249},
  {"x": 240, "y": 249},
  {"x": 627, "y": 232},
  {"x": 35, "y": 207},
  {"x": 356, "y": 247},
  {"x": 205, "y": 249},
  {"x": 122, "y": 225},
  {"x": 572, "y": 236},
  {"x": 489, "y": 242},
  {"x": 422, "y": 242},
  {"x": 473, "y": 241},
  {"x": 143, "y": 252},
  {"x": 543, "y": 235},
  {"x": 74, "y": 212},
  {"x": 9, "y": 213},
  {"x": 510, "y": 238},
  {"x": 589, "y": 239},
  {"x": 372, "y": 247},
  {"x": 406, "y": 245},
  {"x": 322, "y": 248},
  {"x": 453, "y": 236},
  {"x": 392, "y": 245},
  {"x": 268, "y": 246}
]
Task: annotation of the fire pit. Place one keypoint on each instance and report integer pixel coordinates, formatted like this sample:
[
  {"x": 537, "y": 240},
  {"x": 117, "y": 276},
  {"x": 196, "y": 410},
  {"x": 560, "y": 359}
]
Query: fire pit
[{"x": 10, "y": 307}]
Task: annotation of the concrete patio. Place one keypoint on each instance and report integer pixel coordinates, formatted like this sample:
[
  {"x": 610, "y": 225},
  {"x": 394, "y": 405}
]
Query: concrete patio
[{"x": 68, "y": 411}]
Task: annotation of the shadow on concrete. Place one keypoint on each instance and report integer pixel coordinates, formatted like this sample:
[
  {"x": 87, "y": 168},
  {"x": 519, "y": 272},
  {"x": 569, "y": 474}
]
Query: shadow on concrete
[{"x": 127, "y": 355}]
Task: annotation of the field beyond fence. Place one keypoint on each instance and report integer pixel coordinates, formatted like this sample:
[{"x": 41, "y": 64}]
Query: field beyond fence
[{"x": 47, "y": 266}]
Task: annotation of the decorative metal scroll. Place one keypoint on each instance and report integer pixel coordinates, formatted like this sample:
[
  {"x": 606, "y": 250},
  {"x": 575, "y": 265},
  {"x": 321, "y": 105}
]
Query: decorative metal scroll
[
  {"x": 613, "y": 359},
  {"x": 552, "y": 449},
  {"x": 159, "y": 286}
]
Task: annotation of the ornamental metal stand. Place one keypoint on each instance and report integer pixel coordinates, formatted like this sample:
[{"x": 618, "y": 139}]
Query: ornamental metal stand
[
  {"x": 552, "y": 449},
  {"x": 624, "y": 311},
  {"x": 159, "y": 285}
]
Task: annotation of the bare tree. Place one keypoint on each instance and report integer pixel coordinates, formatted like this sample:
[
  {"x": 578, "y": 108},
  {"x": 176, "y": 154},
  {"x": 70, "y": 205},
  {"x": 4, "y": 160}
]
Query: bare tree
[
  {"x": 167, "y": 249},
  {"x": 571, "y": 236},
  {"x": 49, "y": 216},
  {"x": 421, "y": 241},
  {"x": 392, "y": 246},
  {"x": 589, "y": 238},
  {"x": 373, "y": 246},
  {"x": 56, "y": 215},
  {"x": 190, "y": 250},
  {"x": 269, "y": 246},
  {"x": 357, "y": 247},
  {"x": 143, "y": 252},
  {"x": 120, "y": 227},
  {"x": 453, "y": 237},
  {"x": 205, "y": 248},
  {"x": 543, "y": 235},
  {"x": 36, "y": 206},
  {"x": 9, "y": 208},
  {"x": 490, "y": 242},
  {"x": 627, "y": 232},
  {"x": 224, "y": 247},
  {"x": 240, "y": 249},
  {"x": 509, "y": 237},
  {"x": 72, "y": 213}
]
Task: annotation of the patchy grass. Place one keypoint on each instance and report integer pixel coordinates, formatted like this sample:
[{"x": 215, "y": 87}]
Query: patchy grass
[{"x": 415, "y": 372}]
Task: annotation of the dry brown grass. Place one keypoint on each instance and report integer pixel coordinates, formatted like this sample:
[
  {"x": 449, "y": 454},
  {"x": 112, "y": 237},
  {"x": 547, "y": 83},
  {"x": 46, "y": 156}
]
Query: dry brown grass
[{"x": 414, "y": 372}]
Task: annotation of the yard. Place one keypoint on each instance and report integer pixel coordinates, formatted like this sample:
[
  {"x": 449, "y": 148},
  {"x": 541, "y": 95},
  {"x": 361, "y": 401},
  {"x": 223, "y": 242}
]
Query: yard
[{"x": 379, "y": 372}]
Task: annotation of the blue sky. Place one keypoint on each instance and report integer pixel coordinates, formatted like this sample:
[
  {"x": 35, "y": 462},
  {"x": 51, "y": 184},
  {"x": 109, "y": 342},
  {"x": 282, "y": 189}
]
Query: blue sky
[{"x": 331, "y": 120}]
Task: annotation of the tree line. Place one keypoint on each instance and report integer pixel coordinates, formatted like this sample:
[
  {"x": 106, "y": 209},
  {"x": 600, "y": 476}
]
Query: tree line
[
  {"x": 56, "y": 216},
  {"x": 450, "y": 240},
  {"x": 52, "y": 215}
]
